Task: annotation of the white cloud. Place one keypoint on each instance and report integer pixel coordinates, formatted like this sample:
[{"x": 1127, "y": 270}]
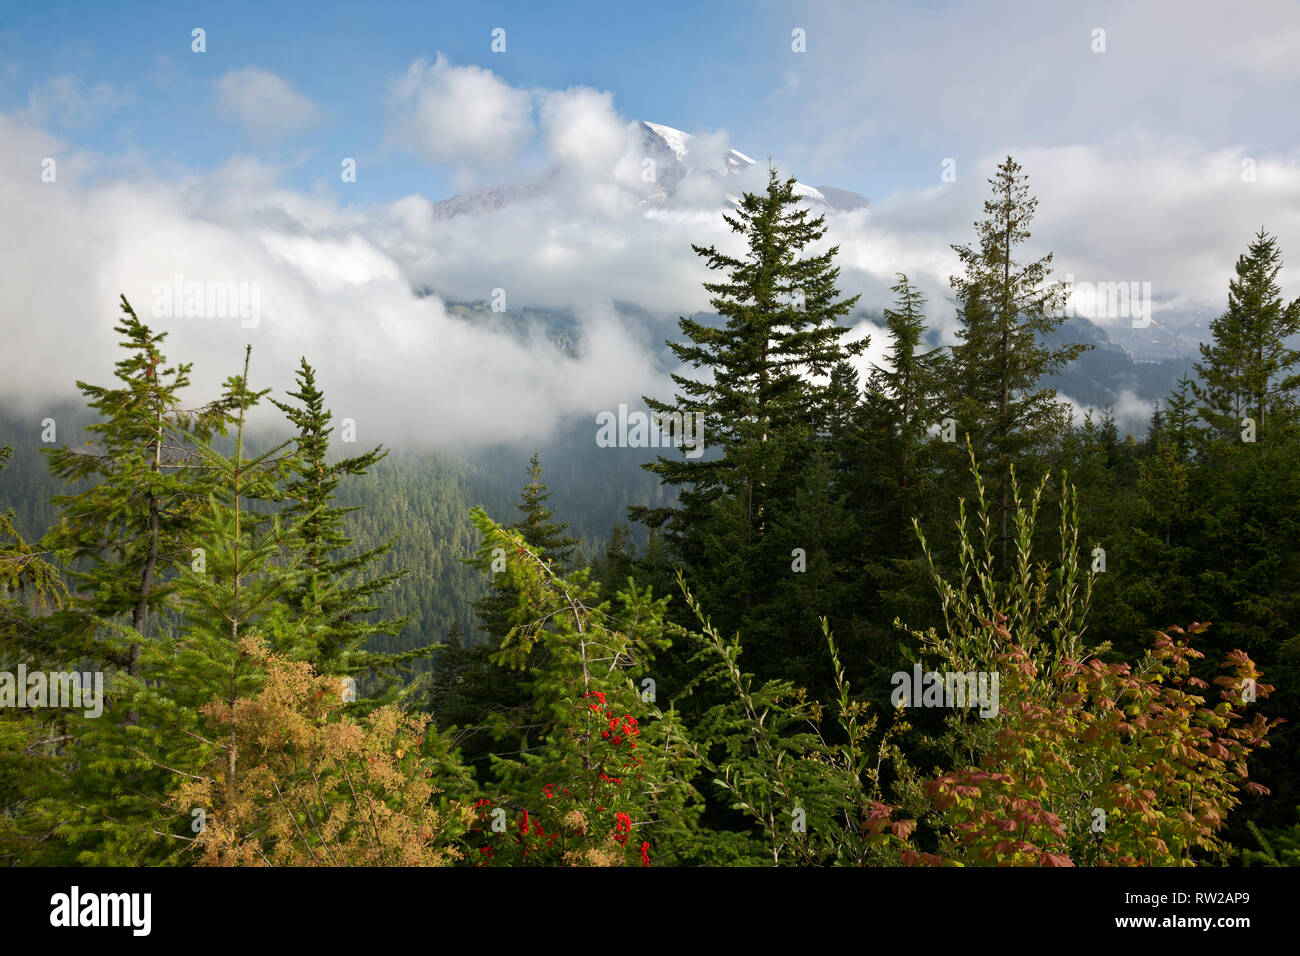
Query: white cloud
[
  {"x": 1136, "y": 208},
  {"x": 1077, "y": 411},
  {"x": 265, "y": 106},
  {"x": 1132, "y": 414},
  {"x": 875, "y": 355},
  {"x": 464, "y": 115},
  {"x": 964, "y": 80},
  {"x": 68, "y": 101},
  {"x": 395, "y": 362},
  {"x": 336, "y": 281},
  {"x": 582, "y": 130}
]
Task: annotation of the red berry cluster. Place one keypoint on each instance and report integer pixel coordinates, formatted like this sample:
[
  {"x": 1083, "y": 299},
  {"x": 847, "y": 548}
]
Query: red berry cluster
[
  {"x": 531, "y": 831},
  {"x": 530, "y": 835},
  {"x": 621, "y": 729},
  {"x": 481, "y": 811},
  {"x": 622, "y": 827}
]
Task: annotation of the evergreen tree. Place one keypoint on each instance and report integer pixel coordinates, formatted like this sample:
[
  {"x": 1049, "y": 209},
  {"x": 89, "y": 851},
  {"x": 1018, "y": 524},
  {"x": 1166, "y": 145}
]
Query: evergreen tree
[
  {"x": 1114, "y": 526},
  {"x": 1006, "y": 307},
  {"x": 536, "y": 525},
  {"x": 131, "y": 524},
  {"x": 238, "y": 573},
  {"x": 1178, "y": 424},
  {"x": 817, "y": 541},
  {"x": 904, "y": 401},
  {"x": 548, "y": 537},
  {"x": 34, "y": 757},
  {"x": 1218, "y": 538},
  {"x": 496, "y": 700},
  {"x": 1248, "y": 368},
  {"x": 24, "y": 571},
  {"x": 333, "y": 589},
  {"x": 780, "y": 310},
  {"x": 895, "y": 467},
  {"x": 617, "y": 561}
]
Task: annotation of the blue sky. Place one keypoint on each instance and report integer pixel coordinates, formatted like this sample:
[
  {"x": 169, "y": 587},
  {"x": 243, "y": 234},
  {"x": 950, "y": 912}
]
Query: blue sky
[
  {"x": 685, "y": 65},
  {"x": 882, "y": 95},
  {"x": 1158, "y": 137}
]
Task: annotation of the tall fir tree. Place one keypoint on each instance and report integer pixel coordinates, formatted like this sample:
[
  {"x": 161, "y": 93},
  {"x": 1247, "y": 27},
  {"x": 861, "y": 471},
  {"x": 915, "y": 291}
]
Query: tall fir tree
[
  {"x": 536, "y": 525},
  {"x": 904, "y": 402},
  {"x": 1006, "y": 308},
  {"x": 335, "y": 588},
  {"x": 1179, "y": 421},
  {"x": 764, "y": 410},
  {"x": 616, "y": 562},
  {"x": 1244, "y": 571},
  {"x": 894, "y": 463},
  {"x": 1249, "y": 367},
  {"x": 142, "y": 487}
]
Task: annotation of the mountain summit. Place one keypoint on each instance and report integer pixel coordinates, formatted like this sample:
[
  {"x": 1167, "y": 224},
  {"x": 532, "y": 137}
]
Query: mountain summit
[
  {"x": 676, "y": 155},
  {"x": 671, "y": 148}
]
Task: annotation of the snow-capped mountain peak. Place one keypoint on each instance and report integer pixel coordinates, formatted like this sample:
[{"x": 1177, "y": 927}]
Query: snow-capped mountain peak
[
  {"x": 667, "y": 141},
  {"x": 674, "y": 139},
  {"x": 677, "y": 154}
]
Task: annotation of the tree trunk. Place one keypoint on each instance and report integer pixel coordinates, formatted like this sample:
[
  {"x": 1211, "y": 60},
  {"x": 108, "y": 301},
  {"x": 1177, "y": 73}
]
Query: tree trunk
[{"x": 141, "y": 612}]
